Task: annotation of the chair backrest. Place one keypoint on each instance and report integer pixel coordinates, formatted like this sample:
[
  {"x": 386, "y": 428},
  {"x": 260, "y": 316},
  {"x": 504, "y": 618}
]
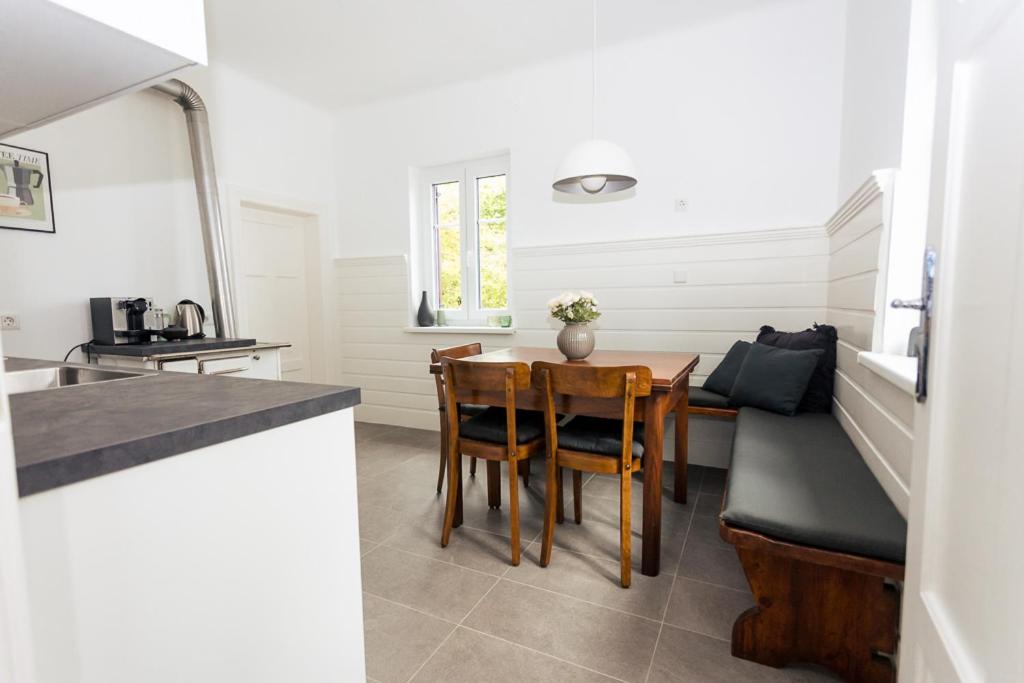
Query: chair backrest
[
  {"x": 590, "y": 381},
  {"x": 436, "y": 355},
  {"x": 585, "y": 381},
  {"x": 474, "y": 376}
]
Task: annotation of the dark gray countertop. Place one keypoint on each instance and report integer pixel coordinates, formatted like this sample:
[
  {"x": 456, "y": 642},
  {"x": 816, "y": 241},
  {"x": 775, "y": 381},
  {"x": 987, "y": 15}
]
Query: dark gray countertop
[
  {"x": 62, "y": 436},
  {"x": 163, "y": 347}
]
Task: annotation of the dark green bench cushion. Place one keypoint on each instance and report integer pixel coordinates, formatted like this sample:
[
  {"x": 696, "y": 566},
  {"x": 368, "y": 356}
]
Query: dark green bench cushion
[
  {"x": 707, "y": 399},
  {"x": 599, "y": 435},
  {"x": 800, "y": 479},
  {"x": 490, "y": 426}
]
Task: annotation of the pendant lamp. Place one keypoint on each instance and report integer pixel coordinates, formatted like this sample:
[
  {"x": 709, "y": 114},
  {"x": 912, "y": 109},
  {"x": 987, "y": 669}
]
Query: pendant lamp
[{"x": 594, "y": 166}]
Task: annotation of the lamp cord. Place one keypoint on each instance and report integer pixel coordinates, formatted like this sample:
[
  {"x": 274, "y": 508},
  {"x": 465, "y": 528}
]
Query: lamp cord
[{"x": 593, "y": 78}]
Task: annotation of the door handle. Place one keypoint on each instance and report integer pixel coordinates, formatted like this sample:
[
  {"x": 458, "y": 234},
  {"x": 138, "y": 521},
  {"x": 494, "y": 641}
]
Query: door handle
[
  {"x": 924, "y": 305},
  {"x": 915, "y": 304}
]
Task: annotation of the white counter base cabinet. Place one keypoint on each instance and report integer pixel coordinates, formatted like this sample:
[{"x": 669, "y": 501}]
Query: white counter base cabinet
[{"x": 234, "y": 562}]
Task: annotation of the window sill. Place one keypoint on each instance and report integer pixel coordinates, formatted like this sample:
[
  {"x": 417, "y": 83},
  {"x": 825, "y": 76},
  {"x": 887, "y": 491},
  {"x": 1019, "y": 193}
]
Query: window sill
[
  {"x": 899, "y": 370},
  {"x": 455, "y": 329}
]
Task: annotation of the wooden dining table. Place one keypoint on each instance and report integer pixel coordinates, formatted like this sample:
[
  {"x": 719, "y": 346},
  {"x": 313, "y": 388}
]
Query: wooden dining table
[{"x": 670, "y": 394}]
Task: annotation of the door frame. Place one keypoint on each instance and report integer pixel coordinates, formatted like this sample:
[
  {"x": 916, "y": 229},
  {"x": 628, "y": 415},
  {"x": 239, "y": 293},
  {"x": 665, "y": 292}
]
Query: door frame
[{"x": 320, "y": 298}]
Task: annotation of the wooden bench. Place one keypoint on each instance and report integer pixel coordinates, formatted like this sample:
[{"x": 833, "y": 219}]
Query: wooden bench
[{"x": 820, "y": 542}]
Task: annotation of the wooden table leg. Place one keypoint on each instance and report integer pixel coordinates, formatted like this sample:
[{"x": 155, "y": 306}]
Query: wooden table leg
[
  {"x": 494, "y": 484},
  {"x": 682, "y": 449},
  {"x": 654, "y": 442},
  {"x": 458, "y": 499}
]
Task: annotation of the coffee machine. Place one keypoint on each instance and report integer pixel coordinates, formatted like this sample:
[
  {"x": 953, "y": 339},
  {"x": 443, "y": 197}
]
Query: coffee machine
[{"x": 128, "y": 320}]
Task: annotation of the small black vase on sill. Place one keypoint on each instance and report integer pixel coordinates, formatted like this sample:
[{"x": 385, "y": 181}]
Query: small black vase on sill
[{"x": 425, "y": 316}]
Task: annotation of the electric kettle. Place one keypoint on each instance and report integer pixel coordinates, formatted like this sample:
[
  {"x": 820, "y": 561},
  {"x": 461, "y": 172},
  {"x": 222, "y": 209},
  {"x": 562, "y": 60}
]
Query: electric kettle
[{"x": 191, "y": 316}]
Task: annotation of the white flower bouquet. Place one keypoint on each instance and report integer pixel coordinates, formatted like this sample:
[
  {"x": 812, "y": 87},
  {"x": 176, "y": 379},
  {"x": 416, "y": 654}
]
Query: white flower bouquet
[{"x": 574, "y": 307}]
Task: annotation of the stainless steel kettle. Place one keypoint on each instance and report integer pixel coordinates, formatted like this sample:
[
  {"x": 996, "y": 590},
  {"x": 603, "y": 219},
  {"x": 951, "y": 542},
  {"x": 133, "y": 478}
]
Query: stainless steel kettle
[{"x": 191, "y": 316}]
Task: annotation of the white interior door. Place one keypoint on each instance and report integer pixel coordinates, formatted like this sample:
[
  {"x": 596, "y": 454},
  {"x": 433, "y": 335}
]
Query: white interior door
[
  {"x": 274, "y": 276},
  {"x": 963, "y": 595},
  {"x": 15, "y": 634}
]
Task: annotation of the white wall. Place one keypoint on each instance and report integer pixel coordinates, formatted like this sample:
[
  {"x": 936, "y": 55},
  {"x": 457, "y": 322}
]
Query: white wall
[
  {"x": 740, "y": 116},
  {"x": 125, "y": 206},
  {"x": 736, "y": 282},
  {"x": 875, "y": 70},
  {"x": 876, "y": 414}
]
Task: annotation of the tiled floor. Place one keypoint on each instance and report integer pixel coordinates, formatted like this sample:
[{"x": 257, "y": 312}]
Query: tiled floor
[{"x": 463, "y": 613}]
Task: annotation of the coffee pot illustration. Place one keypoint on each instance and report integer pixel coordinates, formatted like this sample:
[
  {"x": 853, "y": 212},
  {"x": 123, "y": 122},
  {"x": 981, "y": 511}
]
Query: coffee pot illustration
[{"x": 23, "y": 182}]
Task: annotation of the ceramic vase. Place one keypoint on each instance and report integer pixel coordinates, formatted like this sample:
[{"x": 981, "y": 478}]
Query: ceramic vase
[
  {"x": 576, "y": 341},
  {"x": 425, "y": 316}
]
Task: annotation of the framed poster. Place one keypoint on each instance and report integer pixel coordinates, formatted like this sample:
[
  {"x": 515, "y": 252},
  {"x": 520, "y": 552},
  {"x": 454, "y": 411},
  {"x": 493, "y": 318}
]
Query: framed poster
[{"x": 26, "y": 200}]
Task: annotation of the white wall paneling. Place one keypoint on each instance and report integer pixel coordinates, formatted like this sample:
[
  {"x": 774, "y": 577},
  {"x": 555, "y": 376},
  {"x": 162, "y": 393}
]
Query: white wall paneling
[
  {"x": 876, "y": 414},
  {"x": 735, "y": 282}
]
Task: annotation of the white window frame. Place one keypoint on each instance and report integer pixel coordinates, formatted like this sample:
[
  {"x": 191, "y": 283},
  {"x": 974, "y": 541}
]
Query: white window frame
[{"x": 467, "y": 174}]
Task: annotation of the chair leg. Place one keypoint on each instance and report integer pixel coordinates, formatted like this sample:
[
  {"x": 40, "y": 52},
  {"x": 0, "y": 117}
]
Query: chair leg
[
  {"x": 625, "y": 536},
  {"x": 513, "y": 507},
  {"x": 560, "y": 507},
  {"x": 577, "y": 495},
  {"x": 524, "y": 470},
  {"x": 472, "y": 467},
  {"x": 454, "y": 494},
  {"x": 493, "y": 484},
  {"x": 550, "y": 503},
  {"x": 444, "y": 458}
]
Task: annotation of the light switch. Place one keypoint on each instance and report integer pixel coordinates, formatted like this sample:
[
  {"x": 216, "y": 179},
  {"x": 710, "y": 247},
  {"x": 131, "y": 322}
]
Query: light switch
[{"x": 679, "y": 277}]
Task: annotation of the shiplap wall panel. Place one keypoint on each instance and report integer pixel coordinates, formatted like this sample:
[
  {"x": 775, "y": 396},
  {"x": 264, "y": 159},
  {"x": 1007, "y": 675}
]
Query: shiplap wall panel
[
  {"x": 877, "y": 415},
  {"x": 734, "y": 283}
]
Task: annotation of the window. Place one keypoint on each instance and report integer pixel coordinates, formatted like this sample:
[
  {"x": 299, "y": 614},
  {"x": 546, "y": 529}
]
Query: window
[{"x": 467, "y": 246}]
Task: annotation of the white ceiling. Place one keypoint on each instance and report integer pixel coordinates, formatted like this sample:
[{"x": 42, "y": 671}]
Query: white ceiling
[{"x": 336, "y": 53}]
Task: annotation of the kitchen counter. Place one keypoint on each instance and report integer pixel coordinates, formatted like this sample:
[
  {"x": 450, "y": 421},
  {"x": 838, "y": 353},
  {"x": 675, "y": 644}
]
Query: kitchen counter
[
  {"x": 159, "y": 349},
  {"x": 67, "y": 435}
]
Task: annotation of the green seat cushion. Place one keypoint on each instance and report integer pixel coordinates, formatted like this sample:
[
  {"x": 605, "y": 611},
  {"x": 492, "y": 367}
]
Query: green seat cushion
[
  {"x": 599, "y": 435},
  {"x": 707, "y": 399},
  {"x": 800, "y": 479},
  {"x": 490, "y": 425}
]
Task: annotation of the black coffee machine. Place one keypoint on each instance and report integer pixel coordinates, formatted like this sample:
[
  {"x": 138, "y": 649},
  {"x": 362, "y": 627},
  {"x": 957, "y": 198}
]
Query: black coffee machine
[{"x": 122, "y": 320}]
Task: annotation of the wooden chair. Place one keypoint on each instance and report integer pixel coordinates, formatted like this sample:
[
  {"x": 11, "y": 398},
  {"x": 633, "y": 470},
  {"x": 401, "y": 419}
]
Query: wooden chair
[
  {"x": 496, "y": 435},
  {"x": 588, "y": 444},
  {"x": 467, "y": 411}
]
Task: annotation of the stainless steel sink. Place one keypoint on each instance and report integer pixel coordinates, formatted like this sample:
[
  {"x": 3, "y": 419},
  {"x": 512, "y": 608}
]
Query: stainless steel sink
[{"x": 24, "y": 381}]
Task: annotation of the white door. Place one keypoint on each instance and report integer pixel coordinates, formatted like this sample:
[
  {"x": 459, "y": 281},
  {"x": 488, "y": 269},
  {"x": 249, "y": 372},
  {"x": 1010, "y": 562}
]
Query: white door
[
  {"x": 274, "y": 254},
  {"x": 15, "y": 640},
  {"x": 963, "y": 595}
]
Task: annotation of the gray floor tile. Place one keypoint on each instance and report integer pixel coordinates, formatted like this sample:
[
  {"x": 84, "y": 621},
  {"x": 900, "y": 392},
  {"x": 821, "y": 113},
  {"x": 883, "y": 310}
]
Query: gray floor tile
[
  {"x": 398, "y": 640},
  {"x": 599, "y": 638},
  {"x": 703, "y": 608},
  {"x": 714, "y": 481},
  {"x": 377, "y": 522},
  {"x": 469, "y": 656},
  {"x": 685, "y": 657},
  {"x": 374, "y": 458},
  {"x": 704, "y": 528},
  {"x": 598, "y": 534},
  {"x": 708, "y": 504},
  {"x": 467, "y": 547},
  {"x": 712, "y": 564},
  {"x": 437, "y": 588},
  {"x": 366, "y": 546},
  {"x": 596, "y": 580}
]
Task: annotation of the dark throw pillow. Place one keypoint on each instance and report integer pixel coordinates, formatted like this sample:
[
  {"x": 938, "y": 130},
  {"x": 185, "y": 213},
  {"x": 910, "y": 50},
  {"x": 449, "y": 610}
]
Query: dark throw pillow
[
  {"x": 818, "y": 398},
  {"x": 723, "y": 377},
  {"x": 774, "y": 379}
]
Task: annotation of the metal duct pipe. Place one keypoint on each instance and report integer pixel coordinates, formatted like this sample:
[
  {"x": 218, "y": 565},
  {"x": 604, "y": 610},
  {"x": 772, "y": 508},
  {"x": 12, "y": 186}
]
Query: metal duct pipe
[{"x": 221, "y": 294}]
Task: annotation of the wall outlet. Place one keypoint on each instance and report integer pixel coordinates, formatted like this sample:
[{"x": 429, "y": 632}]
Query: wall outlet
[
  {"x": 9, "y": 321},
  {"x": 682, "y": 205}
]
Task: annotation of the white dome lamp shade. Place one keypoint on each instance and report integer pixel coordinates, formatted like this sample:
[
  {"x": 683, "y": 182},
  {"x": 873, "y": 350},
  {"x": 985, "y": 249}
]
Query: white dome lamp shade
[{"x": 594, "y": 166}]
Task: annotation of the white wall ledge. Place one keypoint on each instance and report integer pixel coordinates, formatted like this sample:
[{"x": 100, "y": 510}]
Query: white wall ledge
[
  {"x": 455, "y": 329},
  {"x": 901, "y": 371}
]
